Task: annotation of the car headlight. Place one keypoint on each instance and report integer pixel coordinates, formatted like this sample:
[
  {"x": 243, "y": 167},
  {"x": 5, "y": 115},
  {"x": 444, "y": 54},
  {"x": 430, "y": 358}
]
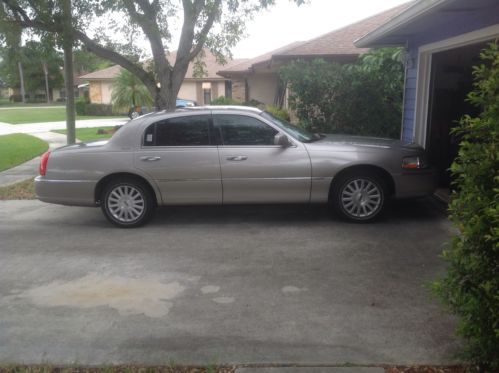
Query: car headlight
[{"x": 413, "y": 162}]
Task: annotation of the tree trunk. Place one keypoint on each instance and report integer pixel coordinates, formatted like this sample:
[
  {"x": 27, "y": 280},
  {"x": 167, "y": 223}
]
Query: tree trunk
[
  {"x": 21, "y": 78},
  {"x": 46, "y": 73},
  {"x": 68, "y": 70}
]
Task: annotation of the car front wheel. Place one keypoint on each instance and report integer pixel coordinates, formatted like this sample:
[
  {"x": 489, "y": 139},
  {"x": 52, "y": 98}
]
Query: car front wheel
[
  {"x": 359, "y": 197},
  {"x": 127, "y": 203}
]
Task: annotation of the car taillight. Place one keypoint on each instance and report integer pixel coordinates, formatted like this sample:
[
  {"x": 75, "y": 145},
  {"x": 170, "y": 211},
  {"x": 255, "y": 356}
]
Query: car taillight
[{"x": 43, "y": 163}]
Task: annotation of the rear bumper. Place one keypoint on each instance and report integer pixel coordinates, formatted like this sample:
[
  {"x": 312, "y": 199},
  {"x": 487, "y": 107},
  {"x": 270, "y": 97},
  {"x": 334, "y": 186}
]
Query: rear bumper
[
  {"x": 65, "y": 192},
  {"x": 416, "y": 183}
]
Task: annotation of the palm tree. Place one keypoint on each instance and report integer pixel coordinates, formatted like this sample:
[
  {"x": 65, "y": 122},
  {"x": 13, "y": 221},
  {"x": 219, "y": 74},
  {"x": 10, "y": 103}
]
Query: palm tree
[{"x": 129, "y": 91}]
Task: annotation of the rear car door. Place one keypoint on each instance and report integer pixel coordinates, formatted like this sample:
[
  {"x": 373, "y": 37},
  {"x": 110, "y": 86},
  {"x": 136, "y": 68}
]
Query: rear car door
[
  {"x": 256, "y": 170},
  {"x": 179, "y": 154}
]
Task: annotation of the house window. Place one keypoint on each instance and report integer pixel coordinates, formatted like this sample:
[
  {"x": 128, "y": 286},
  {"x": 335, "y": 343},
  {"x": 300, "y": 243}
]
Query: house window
[{"x": 206, "y": 93}]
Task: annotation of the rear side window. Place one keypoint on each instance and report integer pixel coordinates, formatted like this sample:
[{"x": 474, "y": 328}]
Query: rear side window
[
  {"x": 243, "y": 130},
  {"x": 182, "y": 131}
]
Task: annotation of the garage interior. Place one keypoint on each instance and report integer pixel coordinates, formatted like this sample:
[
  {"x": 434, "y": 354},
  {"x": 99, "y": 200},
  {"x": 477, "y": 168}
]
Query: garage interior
[{"x": 451, "y": 81}]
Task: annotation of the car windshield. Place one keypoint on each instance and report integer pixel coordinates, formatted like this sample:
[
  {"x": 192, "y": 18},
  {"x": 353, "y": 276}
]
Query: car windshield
[{"x": 295, "y": 131}]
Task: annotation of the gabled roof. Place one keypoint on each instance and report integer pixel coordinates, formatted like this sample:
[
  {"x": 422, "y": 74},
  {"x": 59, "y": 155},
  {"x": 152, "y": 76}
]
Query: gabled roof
[
  {"x": 248, "y": 63},
  {"x": 335, "y": 44},
  {"x": 423, "y": 15},
  {"x": 107, "y": 73},
  {"x": 211, "y": 67},
  {"x": 341, "y": 41}
]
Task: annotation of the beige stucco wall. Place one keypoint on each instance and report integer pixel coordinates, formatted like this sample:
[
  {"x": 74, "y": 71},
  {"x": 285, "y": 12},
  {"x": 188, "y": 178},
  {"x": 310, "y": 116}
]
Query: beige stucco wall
[
  {"x": 99, "y": 92},
  {"x": 94, "y": 92},
  {"x": 106, "y": 90},
  {"x": 188, "y": 91},
  {"x": 263, "y": 87}
]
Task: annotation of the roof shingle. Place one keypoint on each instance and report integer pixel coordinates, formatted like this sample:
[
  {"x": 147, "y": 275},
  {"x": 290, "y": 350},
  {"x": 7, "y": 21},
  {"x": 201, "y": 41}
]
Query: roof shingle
[{"x": 339, "y": 42}]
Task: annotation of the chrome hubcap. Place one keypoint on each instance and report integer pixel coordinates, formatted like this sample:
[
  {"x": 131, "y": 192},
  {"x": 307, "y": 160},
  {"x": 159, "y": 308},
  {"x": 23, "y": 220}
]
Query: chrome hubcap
[
  {"x": 361, "y": 198},
  {"x": 126, "y": 203}
]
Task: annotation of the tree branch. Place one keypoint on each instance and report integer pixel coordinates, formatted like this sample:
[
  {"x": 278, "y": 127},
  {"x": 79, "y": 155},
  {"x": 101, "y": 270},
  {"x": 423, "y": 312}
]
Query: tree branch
[
  {"x": 117, "y": 58},
  {"x": 205, "y": 30}
]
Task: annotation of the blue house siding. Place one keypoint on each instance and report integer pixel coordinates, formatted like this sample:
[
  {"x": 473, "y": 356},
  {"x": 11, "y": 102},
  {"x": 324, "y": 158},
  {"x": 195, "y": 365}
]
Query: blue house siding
[{"x": 451, "y": 25}]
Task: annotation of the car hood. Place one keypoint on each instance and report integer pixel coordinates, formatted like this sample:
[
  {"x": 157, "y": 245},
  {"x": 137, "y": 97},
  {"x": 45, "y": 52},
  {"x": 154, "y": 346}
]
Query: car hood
[{"x": 361, "y": 141}]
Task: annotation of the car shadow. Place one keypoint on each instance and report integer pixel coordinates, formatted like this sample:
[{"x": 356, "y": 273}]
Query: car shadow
[{"x": 400, "y": 210}]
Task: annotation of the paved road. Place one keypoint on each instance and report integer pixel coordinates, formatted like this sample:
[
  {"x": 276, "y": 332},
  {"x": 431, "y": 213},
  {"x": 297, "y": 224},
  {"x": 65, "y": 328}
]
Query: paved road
[{"x": 248, "y": 284}]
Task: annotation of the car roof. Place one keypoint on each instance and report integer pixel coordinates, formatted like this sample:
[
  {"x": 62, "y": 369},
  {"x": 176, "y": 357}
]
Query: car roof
[{"x": 249, "y": 109}]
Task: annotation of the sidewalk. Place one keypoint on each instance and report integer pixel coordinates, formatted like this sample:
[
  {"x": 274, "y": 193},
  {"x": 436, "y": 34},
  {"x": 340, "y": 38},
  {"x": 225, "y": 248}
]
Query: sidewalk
[
  {"x": 29, "y": 169},
  {"x": 32, "y": 128}
]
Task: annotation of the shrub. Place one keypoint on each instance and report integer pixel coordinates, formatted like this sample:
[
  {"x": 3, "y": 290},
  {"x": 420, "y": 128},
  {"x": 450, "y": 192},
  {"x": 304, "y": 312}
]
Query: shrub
[
  {"x": 471, "y": 286},
  {"x": 225, "y": 101},
  {"x": 364, "y": 98},
  {"x": 80, "y": 105},
  {"x": 99, "y": 109},
  {"x": 278, "y": 112}
]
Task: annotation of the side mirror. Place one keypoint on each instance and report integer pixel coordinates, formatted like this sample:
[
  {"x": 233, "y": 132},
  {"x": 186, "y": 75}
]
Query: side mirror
[{"x": 282, "y": 140}]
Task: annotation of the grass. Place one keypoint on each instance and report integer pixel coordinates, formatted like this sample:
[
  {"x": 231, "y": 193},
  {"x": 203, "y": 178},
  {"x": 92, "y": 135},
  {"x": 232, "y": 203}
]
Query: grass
[
  {"x": 22, "y": 190},
  {"x": 90, "y": 134},
  {"x": 18, "y": 148},
  {"x": 32, "y": 115}
]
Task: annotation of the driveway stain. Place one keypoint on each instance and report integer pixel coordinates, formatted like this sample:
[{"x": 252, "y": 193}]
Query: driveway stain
[
  {"x": 148, "y": 296},
  {"x": 292, "y": 289},
  {"x": 224, "y": 300},
  {"x": 210, "y": 289}
]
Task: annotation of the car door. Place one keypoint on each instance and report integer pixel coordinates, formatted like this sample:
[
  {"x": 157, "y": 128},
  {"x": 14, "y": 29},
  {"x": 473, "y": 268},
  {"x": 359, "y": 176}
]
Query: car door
[
  {"x": 256, "y": 170},
  {"x": 179, "y": 155}
]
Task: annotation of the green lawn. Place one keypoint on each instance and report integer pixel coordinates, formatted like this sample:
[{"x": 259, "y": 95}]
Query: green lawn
[
  {"x": 89, "y": 134},
  {"x": 18, "y": 148},
  {"x": 38, "y": 115}
]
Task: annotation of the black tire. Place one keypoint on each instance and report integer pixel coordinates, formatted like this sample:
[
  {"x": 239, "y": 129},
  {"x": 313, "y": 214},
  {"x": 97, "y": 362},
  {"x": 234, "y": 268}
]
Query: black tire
[
  {"x": 358, "y": 196},
  {"x": 127, "y": 203}
]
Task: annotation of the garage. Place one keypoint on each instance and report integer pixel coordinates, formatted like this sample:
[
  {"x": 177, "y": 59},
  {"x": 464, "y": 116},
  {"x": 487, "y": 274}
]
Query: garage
[{"x": 443, "y": 40}]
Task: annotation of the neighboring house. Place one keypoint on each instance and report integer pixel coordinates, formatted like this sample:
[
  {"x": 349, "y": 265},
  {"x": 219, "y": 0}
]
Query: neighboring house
[
  {"x": 443, "y": 40},
  {"x": 199, "y": 89},
  {"x": 258, "y": 78}
]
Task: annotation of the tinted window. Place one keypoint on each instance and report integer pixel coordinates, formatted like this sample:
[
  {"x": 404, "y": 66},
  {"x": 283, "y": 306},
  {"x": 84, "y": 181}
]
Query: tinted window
[
  {"x": 183, "y": 131},
  {"x": 244, "y": 130}
]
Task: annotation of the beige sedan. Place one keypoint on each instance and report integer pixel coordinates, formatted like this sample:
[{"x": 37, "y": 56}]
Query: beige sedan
[{"x": 230, "y": 155}]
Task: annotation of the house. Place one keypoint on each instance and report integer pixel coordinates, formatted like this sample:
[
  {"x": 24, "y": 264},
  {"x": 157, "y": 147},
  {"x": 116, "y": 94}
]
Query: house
[
  {"x": 443, "y": 39},
  {"x": 199, "y": 89},
  {"x": 258, "y": 78}
]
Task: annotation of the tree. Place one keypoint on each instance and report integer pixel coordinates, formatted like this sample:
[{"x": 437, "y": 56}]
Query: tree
[
  {"x": 216, "y": 24},
  {"x": 32, "y": 57},
  {"x": 129, "y": 90},
  {"x": 363, "y": 98},
  {"x": 471, "y": 285}
]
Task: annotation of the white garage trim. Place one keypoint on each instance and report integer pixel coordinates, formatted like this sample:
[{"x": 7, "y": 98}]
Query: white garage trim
[{"x": 425, "y": 53}]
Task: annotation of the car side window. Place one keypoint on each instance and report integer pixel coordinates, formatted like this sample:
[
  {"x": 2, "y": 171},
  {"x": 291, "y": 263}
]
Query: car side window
[
  {"x": 243, "y": 130},
  {"x": 182, "y": 131}
]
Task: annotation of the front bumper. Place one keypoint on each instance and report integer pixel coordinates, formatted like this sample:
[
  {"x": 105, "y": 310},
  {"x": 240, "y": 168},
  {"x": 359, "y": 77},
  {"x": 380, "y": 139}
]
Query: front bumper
[
  {"x": 65, "y": 192},
  {"x": 415, "y": 183}
]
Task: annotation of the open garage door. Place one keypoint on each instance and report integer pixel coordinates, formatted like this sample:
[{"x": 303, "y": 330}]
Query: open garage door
[{"x": 451, "y": 81}]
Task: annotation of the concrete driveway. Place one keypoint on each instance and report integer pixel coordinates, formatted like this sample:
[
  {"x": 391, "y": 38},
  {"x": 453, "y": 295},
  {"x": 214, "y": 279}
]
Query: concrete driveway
[{"x": 269, "y": 284}]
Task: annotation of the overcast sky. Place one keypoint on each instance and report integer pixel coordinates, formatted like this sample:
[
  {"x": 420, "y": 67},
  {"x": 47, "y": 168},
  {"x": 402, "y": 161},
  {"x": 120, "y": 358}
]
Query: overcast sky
[{"x": 286, "y": 22}]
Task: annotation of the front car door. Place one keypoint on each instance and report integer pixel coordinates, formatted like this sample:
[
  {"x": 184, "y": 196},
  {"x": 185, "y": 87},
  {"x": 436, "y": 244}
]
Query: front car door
[
  {"x": 179, "y": 154},
  {"x": 256, "y": 170}
]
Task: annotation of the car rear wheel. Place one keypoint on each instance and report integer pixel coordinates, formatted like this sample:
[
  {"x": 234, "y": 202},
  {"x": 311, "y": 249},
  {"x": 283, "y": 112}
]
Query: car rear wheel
[
  {"x": 358, "y": 197},
  {"x": 127, "y": 203}
]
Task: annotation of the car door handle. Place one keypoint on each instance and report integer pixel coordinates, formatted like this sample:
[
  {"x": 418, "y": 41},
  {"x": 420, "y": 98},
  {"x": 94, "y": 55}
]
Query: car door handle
[
  {"x": 237, "y": 158},
  {"x": 149, "y": 159}
]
